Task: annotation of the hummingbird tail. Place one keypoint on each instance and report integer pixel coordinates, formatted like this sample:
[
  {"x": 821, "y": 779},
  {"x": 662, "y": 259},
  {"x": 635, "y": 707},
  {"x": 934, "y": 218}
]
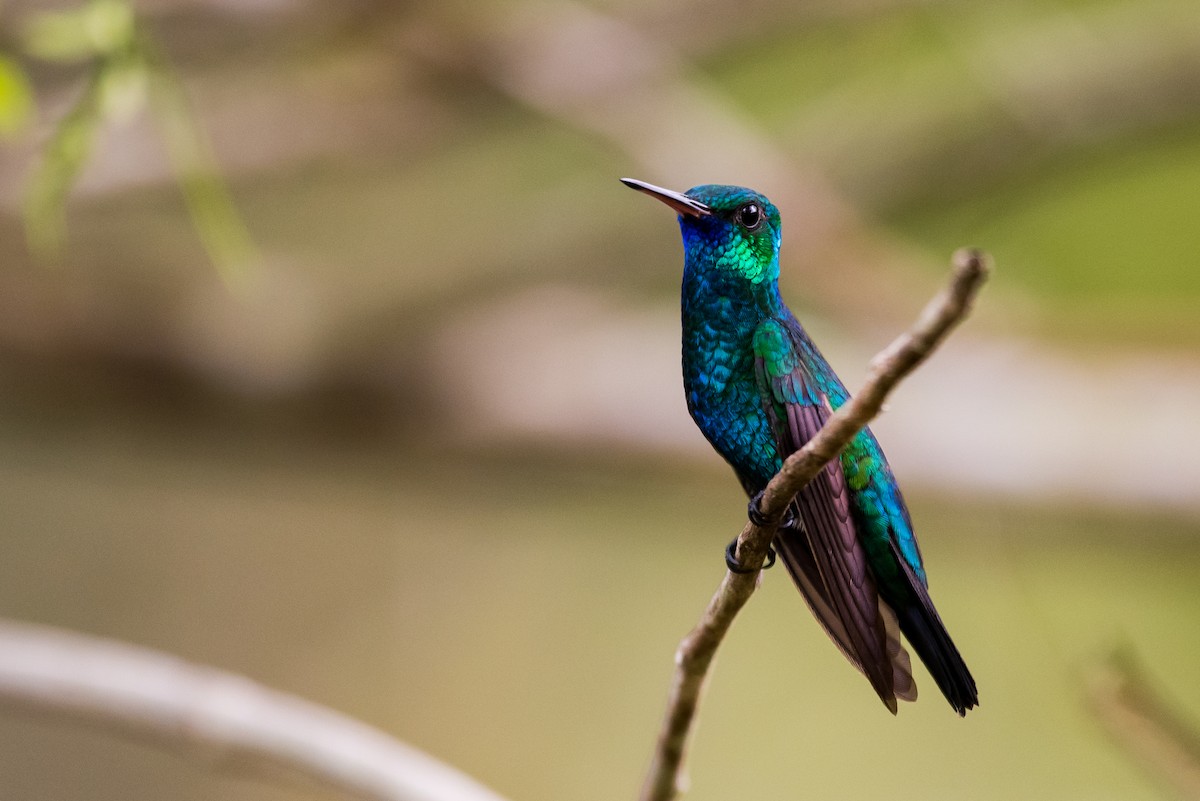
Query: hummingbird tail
[
  {"x": 903, "y": 683},
  {"x": 927, "y": 634}
]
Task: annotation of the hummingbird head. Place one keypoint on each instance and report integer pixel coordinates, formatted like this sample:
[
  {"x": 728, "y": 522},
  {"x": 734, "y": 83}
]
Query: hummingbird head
[{"x": 726, "y": 229}]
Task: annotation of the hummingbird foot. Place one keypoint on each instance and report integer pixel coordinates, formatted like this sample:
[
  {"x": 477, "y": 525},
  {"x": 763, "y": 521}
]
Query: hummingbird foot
[
  {"x": 754, "y": 512},
  {"x": 735, "y": 566}
]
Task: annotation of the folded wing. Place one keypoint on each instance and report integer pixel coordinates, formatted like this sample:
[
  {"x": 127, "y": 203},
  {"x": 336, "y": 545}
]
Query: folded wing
[{"x": 822, "y": 552}]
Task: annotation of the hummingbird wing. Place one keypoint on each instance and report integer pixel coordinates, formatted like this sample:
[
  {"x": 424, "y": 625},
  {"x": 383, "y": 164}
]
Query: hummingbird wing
[{"x": 824, "y": 556}]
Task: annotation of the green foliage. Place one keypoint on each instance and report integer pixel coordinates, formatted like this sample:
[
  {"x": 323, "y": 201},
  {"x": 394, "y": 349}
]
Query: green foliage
[
  {"x": 208, "y": 199},
  {"x": 16, "y": 99},
  {"x": 1062, "y": 136},
  {"x": 1107, "y": 242},
  {"x": 63, "y": 158},
  {"x": 128, "y": 73},
  {"x": 98, "y": 28},
  {"x": 102, "y": 31}
]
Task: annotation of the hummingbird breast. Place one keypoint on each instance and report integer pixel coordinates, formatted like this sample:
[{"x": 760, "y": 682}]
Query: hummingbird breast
[{"x": 722, "y": 390}]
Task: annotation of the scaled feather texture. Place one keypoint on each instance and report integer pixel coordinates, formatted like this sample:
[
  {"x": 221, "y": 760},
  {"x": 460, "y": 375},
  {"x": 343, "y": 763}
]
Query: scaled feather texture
[{"x": 759, "y": 389}]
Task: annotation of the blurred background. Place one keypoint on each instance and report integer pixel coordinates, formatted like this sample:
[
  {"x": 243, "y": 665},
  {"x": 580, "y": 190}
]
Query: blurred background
[{"x": 333, "y": 353}]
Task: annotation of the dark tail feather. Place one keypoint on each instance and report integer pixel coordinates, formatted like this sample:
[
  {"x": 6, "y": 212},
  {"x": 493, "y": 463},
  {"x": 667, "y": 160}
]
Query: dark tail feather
[{"x": 928, "y": 636}]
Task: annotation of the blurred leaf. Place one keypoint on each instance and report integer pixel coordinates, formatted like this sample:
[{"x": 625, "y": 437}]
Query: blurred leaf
[
  {"x": 62, "y": 160},
  {"x": 130, "y": 71},
  {"x": 58, "y": 36},
  {"x": 97, "y": 28},
  {"x": 208, "y": 199},
  {"x": 110, "y": 24},
  {"x": 123, "y": 89},
  {"x": 16, "y": 98}
]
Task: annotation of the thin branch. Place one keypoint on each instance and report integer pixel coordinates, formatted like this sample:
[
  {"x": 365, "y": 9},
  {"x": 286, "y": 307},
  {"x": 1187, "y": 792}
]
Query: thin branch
[
  {"x": 695, "y": 654},
  {"x": 1146, "y": 724},
  {"x": 221, "y": 717}
]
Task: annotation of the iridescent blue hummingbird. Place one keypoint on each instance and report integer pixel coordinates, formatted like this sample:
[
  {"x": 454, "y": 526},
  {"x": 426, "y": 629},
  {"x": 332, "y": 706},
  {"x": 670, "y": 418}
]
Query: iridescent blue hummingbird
[{"x": 759, "y": 389}]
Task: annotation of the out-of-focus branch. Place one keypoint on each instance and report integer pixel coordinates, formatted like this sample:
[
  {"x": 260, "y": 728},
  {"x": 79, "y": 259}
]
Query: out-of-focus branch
[
  {"x": 696, "y": 652},
  {"x": 1142, "y": 722},
  {"x": 601, "y": 74},
  {"x": 220, "y": 716}
]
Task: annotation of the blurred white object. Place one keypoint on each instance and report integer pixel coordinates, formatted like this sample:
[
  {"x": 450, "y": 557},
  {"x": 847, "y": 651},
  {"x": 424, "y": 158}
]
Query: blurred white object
[{"x": 1010, "y": 417}]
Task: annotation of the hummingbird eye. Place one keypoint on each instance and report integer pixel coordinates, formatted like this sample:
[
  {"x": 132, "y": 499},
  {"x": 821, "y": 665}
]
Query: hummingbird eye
[{"x": 749, "y": 216}]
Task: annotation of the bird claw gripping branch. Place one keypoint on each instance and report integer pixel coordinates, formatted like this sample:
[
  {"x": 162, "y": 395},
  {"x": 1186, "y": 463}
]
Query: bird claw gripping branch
[{"x": 735, "y": 566}]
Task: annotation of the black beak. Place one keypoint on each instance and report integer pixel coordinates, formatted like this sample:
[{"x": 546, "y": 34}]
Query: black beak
[{"x": 676, "y": 200}]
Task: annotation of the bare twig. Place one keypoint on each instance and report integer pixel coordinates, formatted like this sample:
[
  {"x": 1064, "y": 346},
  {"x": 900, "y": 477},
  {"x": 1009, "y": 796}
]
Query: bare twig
[
  {"x": 696, "y": 652},
  {"x": 1145, "y": 724},
  {"x": 219, "y": 716}
]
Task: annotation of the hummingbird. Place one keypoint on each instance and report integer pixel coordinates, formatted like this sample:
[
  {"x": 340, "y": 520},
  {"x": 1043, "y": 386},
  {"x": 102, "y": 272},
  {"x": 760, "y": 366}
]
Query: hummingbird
[{"x": 758, "y": 389}]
